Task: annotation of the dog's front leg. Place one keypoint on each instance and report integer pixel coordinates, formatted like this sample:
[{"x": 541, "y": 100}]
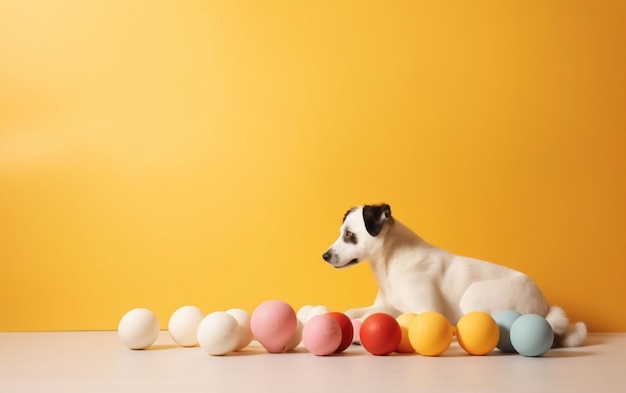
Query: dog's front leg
[
  {"x": 364, "y": 312},
  {"x": 380, "y": 305}
]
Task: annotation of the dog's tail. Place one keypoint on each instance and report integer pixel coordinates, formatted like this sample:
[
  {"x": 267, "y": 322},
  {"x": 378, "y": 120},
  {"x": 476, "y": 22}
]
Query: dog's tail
[{"x": 565, "y": 334}]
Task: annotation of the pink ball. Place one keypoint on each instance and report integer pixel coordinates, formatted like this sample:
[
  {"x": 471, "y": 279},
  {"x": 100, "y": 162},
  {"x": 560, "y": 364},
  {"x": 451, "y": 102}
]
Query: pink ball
[
  {"x": 273, "y": 323},
  {"x": 321, "y": 335}
]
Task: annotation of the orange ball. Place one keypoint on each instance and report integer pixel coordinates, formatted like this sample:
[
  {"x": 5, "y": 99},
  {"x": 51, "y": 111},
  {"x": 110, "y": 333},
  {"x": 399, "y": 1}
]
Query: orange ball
[
  {"x": 380, "y": 334},
  {"x": 347, "y": 330},
  {"x": 404, "y": 321},
  {"x": 430, "y": 333},
  {"x": 477, "y": 333}
]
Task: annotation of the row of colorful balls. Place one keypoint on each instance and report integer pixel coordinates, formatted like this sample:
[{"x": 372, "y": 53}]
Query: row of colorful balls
[{"x": 277, "y": 327}]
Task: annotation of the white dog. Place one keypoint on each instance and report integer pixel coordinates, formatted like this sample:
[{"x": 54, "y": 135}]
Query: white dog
[{"x": 414, "y": 276}]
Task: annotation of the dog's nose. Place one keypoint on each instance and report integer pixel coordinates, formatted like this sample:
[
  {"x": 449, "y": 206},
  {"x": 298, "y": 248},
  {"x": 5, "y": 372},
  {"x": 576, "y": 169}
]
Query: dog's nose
[{"x": 326, "y": 256}]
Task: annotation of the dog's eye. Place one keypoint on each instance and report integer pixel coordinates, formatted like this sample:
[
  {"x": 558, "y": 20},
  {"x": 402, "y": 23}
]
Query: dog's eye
[{"x": 349, "y": 237}]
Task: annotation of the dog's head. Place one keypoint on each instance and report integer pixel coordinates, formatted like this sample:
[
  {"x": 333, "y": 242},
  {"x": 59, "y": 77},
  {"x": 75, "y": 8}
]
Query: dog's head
[{"x": 359, "y": 235}]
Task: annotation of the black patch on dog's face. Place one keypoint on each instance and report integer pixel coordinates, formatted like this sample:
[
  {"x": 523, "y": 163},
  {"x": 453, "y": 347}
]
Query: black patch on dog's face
[
  {"x": 349, "y": 237},
  {"x": 375, "y": 216}
]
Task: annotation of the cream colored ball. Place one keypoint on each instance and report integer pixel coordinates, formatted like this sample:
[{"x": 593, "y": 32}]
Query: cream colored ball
[
  {"x": 138, "y": 328},
  {"x": 218, "y": 333},
  {"x": 183, "y": 325},
  {"x": 245, "y": 333}
]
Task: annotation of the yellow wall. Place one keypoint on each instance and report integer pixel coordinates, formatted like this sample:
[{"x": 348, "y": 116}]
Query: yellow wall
[{"x": 162, "y": 153}]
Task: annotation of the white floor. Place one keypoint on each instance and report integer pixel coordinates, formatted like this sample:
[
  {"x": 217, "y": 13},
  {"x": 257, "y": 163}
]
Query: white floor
[{"x": 98, "y": 362}]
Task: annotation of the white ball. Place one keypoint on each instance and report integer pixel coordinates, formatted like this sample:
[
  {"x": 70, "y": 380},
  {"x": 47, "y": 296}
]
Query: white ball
[
  {"x": 245, "y": 333},
  {"x": 218, "y": 333},
  {"x": 138, "y": 328},
  {"x": 304, "y": 311},
  {"x": 315, "y": 311},
  {"x": 183, "y": 325}
]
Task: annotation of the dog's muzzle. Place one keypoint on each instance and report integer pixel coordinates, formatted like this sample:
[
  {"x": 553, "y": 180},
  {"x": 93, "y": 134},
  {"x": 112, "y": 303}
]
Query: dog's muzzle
[{"x": 329, "y": 257}]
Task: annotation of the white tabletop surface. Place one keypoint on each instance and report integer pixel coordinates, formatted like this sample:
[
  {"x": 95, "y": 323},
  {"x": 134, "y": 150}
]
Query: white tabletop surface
[{"x": 98, "y": 362}]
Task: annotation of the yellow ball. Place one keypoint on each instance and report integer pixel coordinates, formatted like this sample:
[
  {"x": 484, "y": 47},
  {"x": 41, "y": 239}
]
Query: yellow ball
[
  {"x": 430, "y": 333},
  {"x": 477, "y": 333},
  {"x": 404, "y": 321}
]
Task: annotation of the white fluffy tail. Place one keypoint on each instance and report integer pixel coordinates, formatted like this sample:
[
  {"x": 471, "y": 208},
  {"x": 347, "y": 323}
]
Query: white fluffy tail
[{"x": 565, "y": 334}]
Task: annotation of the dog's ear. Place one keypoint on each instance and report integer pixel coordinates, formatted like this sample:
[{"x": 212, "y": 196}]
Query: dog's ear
[{"x": 375, "y": 216}]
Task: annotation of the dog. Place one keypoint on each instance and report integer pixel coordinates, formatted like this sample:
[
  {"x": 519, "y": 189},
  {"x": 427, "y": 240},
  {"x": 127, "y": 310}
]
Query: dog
[{"x": 415, "y": 276}]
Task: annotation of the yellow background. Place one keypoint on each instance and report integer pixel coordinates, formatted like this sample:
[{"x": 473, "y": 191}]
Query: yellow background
[{"x": 162, "y": 153}]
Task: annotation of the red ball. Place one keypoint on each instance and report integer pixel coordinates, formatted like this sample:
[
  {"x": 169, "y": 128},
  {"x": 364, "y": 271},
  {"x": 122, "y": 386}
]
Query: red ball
[
  {"x": 347, "y": 331},
  {"x": 380, "y": 334}
]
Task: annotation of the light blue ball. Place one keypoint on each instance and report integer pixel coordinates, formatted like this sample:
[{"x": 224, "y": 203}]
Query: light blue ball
[
  {"x": 532, "y": 335},
  {"x": 505, "y": 320}
]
